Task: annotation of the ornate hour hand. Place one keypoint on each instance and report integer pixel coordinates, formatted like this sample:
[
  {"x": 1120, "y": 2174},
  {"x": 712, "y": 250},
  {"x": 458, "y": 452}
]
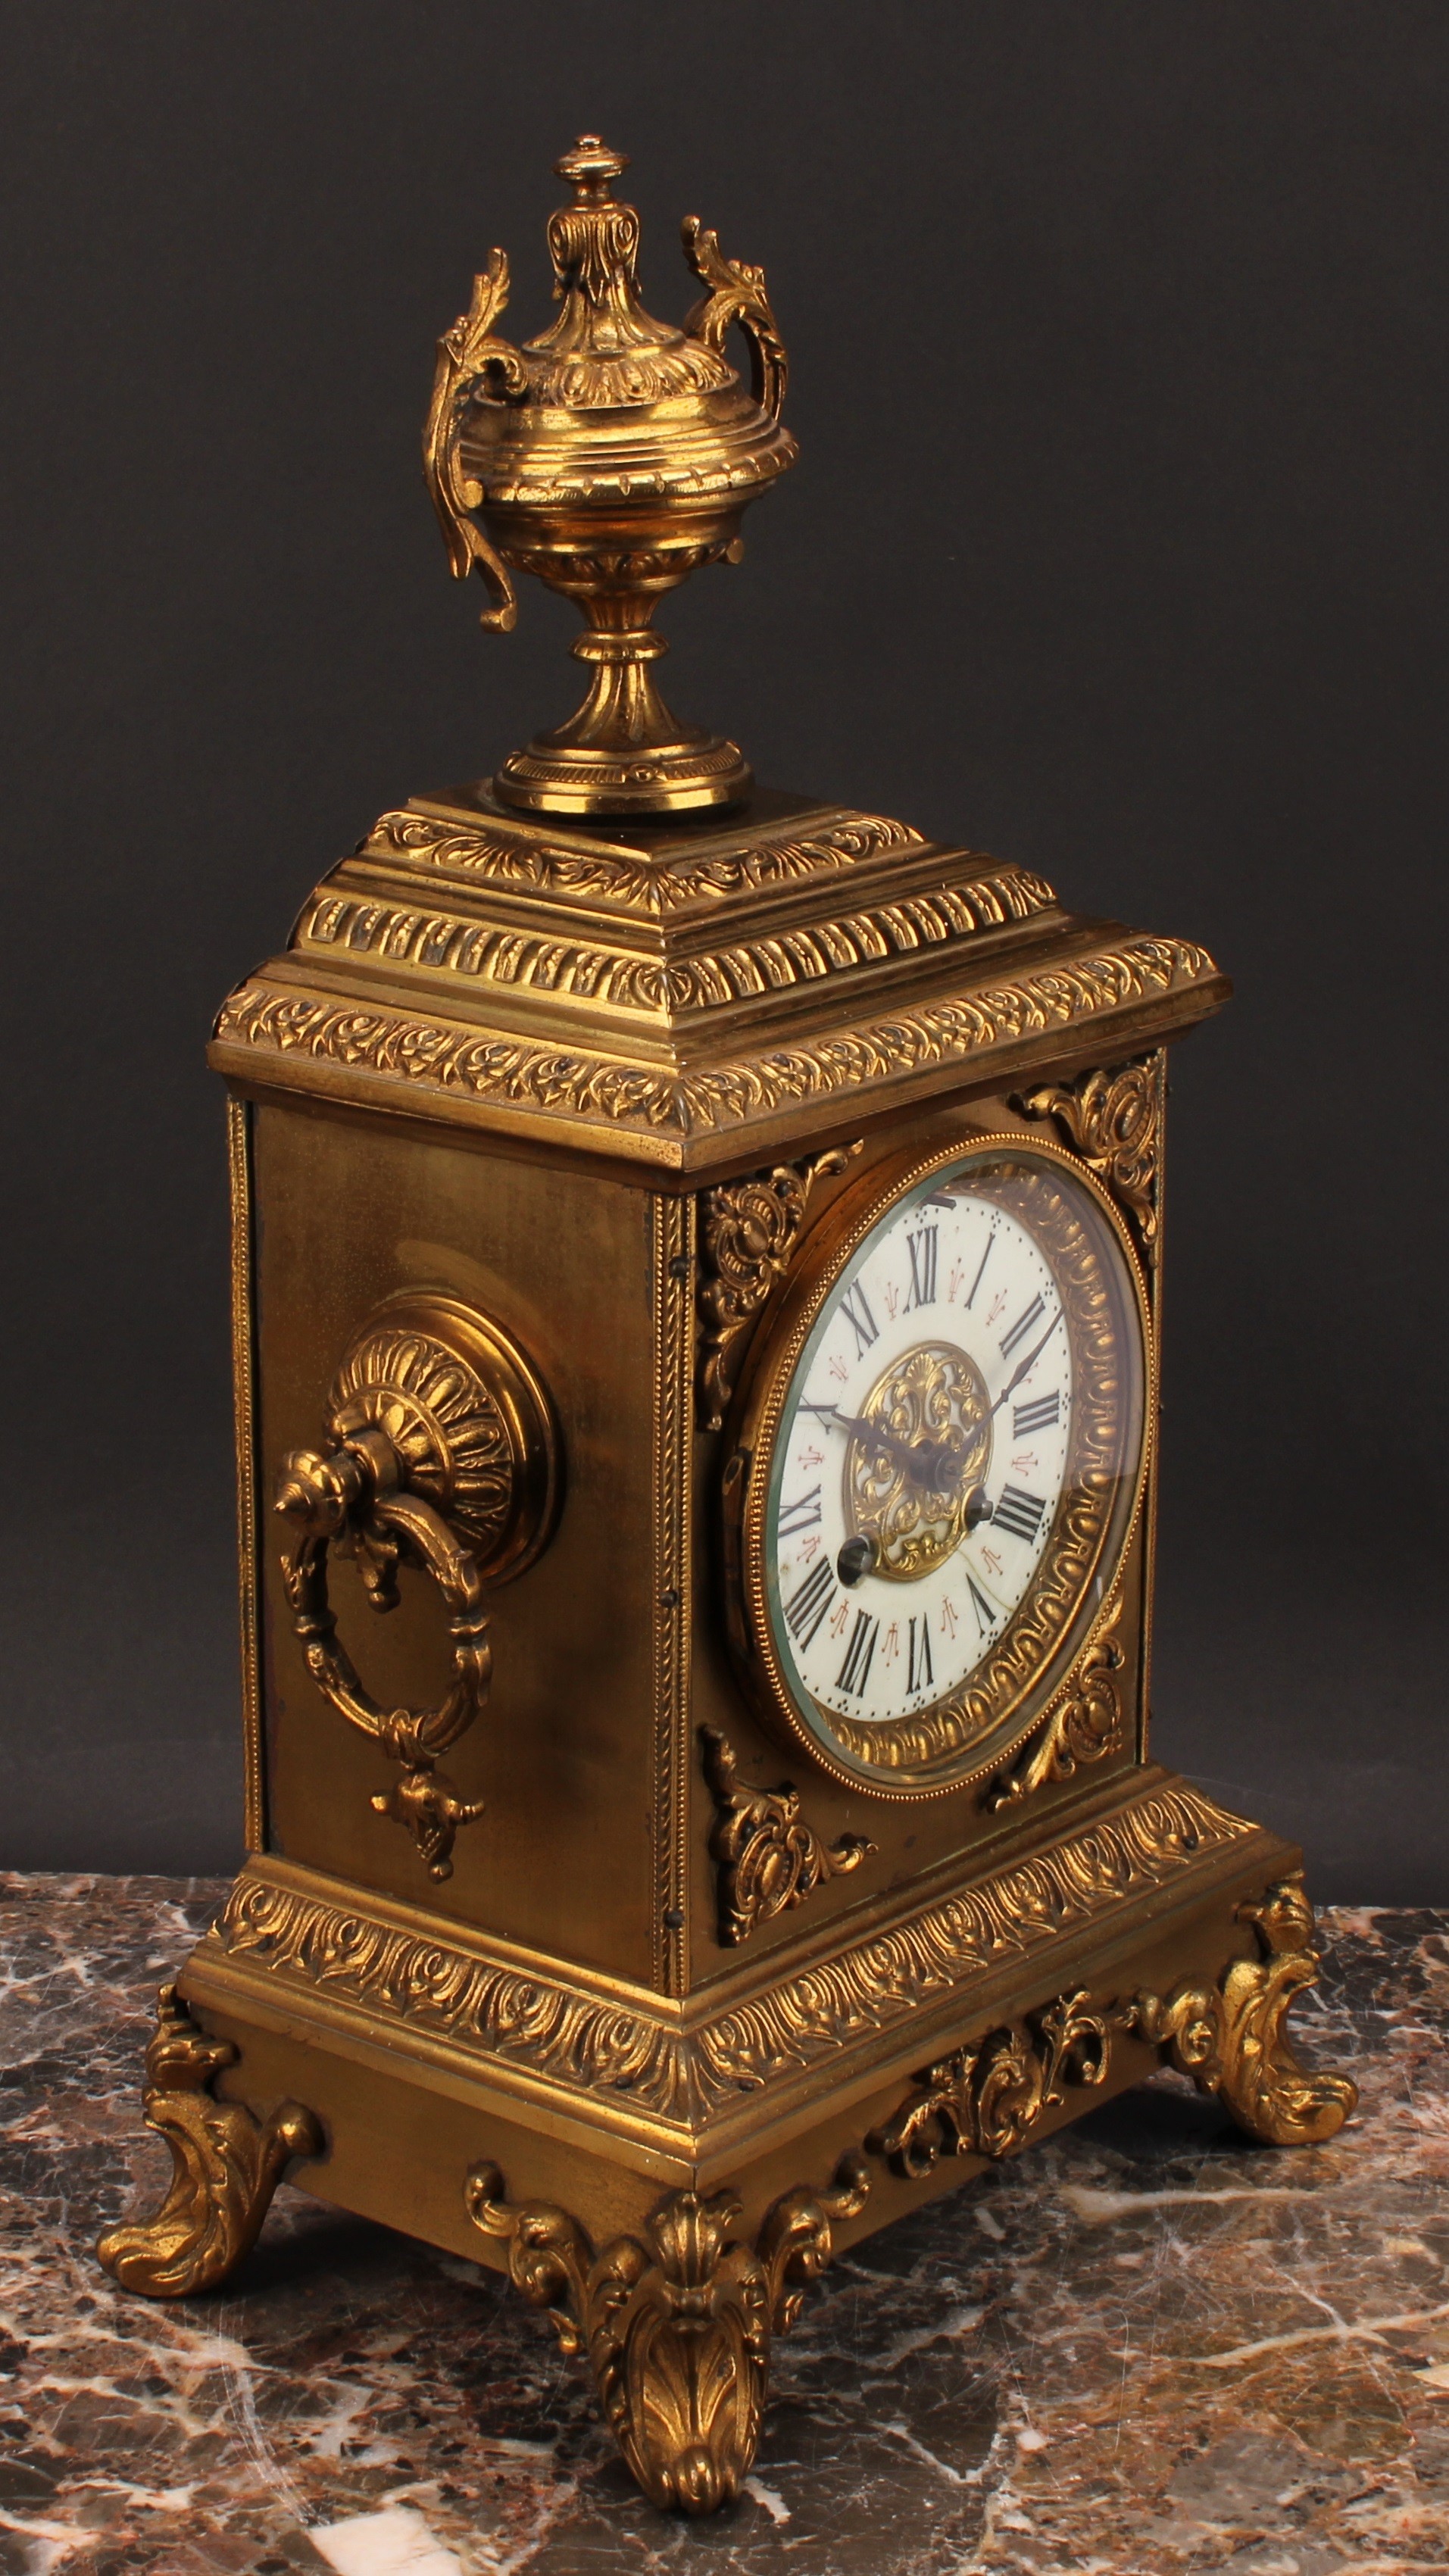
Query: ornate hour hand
[
  {"x": 907, "y": 1451},
  {"x": 914, "y": 1495},
  {"x": 932, "y": 1465}
]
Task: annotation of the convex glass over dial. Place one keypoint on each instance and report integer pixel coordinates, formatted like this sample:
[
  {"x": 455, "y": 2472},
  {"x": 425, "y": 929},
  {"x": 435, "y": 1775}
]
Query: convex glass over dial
[{"x": 947, "y": 1448}]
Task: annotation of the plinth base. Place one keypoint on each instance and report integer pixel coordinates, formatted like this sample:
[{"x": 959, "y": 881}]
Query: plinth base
[{"x": 667, "y": 2178}]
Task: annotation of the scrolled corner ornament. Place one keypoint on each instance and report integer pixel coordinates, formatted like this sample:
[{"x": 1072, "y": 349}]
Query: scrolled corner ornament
[
  {"x": 1086, "y": 1724},
  {"x": 443, "y": 1454},
  {"x": 769, "y": 1858},
  {"x": 985, "y": 2101},
  {"x": 677, "y": 2330},
  {"x": 1230, "y": 2037},
  {"x": 1114, "y": 1118},
  {"x": 750, "y": 1231},
  {"x": 226, "y": 2164}
]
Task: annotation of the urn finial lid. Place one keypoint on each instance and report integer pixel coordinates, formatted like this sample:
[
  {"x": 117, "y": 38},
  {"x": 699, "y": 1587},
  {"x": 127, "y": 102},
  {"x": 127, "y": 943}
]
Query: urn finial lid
[{"x": 612, "y": 455}]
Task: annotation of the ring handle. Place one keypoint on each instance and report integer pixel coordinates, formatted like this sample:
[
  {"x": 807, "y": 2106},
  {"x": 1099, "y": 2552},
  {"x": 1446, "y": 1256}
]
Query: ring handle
[{"x": 444, "y": 1454}]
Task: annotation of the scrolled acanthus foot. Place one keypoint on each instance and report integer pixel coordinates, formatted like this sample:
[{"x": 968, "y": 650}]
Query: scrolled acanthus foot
[
  {"x": 1230, "y": 2037},
  {"x": 677, "y": 2330},
  {"x": 226, "y": 2166}
]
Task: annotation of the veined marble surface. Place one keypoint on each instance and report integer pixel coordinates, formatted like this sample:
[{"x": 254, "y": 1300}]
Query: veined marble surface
[{"x": 1143, "y": 2349}]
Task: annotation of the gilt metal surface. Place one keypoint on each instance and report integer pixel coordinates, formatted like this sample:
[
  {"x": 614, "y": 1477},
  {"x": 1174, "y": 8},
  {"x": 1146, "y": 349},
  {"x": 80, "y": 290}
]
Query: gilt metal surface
[
  {"x": 225, "y": 2165},
  {"x": 677, "y": 2329},
  {"x": 1230, "y": 2037},
  {"x": 770, "y": 1857}
]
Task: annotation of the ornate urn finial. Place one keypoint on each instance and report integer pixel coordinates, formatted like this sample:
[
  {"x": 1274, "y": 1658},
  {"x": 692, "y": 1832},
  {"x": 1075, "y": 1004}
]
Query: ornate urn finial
[{"x": 612, "y": 455}]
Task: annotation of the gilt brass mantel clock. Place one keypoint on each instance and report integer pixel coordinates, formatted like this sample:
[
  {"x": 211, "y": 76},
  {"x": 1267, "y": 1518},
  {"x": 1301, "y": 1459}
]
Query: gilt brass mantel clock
[{"x": 696, "y": 1278}]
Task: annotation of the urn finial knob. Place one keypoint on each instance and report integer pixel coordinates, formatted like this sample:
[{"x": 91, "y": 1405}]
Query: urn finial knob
[
  {"x": 612, "y": 456},
  {"x": 591, "y": 169}
]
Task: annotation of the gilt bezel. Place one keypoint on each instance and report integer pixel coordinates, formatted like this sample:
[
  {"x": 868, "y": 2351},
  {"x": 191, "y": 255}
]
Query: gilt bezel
[{"x": 959, "y": 1743}]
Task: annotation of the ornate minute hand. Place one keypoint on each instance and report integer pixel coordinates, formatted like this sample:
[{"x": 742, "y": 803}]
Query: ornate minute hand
[
  {"x": 908, "y": 1450},
  {"x": 1033, "y": 1355}
]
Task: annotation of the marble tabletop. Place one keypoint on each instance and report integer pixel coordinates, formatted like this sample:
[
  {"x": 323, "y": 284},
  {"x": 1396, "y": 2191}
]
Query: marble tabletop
[{"x": 1143, "y": 2347}]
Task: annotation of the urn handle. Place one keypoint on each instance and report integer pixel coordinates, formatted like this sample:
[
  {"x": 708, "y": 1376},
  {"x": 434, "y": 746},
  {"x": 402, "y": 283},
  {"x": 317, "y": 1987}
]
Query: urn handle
[
  {"x": 442, "y": 1452},
  {"x": 473, "y": 366},
  {"x": 736, "y": 294}
]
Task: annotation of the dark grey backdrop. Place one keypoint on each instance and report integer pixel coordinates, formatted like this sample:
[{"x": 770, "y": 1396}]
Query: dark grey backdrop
[{"x": 1116, "y": 546}]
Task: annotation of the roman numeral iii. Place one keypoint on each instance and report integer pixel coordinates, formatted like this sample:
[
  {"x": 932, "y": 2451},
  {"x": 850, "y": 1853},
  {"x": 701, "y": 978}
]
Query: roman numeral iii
[
  {"x": 1019, "y": 1512},
  {"x": 1039, "y": 1415}
]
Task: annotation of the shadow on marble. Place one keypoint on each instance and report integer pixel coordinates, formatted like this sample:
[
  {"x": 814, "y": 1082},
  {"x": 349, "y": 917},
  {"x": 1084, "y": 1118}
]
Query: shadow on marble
[{"x": 1143, "y": 2349}]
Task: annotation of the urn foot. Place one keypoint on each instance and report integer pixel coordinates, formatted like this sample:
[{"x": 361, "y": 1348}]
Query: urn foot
[{"x": 624, "y": 752}]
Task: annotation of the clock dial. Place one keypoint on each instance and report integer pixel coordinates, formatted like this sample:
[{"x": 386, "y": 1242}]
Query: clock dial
[{"x": 953, "y": 1435}]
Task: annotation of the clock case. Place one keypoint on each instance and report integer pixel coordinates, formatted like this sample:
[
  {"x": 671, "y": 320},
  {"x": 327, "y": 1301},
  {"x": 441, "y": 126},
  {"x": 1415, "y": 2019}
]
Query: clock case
[{"x": 686, "y": 2014}]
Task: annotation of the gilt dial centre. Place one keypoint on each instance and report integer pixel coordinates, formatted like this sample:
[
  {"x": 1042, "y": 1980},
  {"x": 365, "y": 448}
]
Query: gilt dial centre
[{"x": 916, "y": 1456}]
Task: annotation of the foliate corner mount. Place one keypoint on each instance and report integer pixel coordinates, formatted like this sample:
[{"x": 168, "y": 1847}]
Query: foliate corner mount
[
  {"x": 769, "y": 1858},
  {"x": 1113, "y": 1117},
  {"x": 750, "y": 1231}
]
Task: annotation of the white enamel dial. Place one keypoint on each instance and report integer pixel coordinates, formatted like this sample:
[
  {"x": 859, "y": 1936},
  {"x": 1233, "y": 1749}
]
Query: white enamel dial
[
  {"x": 952, "y": 1445},
  {"x": 929, "y": 1430}
]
